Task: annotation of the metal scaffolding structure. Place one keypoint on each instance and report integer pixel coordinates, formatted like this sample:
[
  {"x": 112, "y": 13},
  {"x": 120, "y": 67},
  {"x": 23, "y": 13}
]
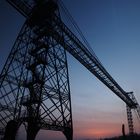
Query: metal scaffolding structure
[{"x": 34, "y": 82}]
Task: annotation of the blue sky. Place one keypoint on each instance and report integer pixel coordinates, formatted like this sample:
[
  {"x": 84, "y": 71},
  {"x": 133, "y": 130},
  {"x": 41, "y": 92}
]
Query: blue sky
[{"x": 112, "y": 27}]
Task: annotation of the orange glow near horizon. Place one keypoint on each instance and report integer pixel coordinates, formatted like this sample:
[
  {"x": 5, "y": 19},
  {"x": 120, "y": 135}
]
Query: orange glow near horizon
[
  {"x": 101, "y": 129},
  {"x": 98, "y": 130},
  {"x": 100, "y": 133}
]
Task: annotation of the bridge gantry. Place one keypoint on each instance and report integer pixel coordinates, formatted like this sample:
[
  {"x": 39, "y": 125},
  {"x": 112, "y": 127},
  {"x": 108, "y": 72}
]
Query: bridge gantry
[{"x": 34, "y": 82}]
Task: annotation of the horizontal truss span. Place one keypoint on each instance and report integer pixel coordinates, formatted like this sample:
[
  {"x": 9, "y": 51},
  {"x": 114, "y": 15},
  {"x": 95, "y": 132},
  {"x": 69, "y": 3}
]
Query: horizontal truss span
[
  {"x": 23, "y": 7},
  {"x": 76, "y": 48}
]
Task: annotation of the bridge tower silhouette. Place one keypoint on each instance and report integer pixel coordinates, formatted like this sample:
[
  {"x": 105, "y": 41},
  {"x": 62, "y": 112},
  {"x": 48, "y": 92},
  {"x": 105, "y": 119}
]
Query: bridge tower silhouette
[{"x": 34, "y": 82}]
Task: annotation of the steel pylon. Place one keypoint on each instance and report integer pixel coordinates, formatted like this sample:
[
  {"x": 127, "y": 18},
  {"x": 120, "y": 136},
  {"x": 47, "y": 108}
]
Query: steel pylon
[
  {"x": 130, "y": 120},
  {"x": 34, "y": 83}
]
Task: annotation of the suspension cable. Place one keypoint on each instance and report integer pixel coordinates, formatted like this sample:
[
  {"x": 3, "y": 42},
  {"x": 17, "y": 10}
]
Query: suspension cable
[{"x": 70, "y": 18}]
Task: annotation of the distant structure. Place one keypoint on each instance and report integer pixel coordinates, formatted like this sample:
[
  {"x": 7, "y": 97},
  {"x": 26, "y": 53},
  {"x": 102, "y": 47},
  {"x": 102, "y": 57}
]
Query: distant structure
[
  {"x": 34, "y": 82},
  {"x": 123, "y": 132}
]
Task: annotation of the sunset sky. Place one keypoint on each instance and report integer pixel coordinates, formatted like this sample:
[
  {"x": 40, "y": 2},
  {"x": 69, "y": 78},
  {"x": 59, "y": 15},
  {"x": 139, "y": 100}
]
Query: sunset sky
[{"x": 112, "y": 27}]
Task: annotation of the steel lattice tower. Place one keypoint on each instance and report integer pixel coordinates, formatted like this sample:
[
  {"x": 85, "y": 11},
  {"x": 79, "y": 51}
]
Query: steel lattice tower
[{"x": 34, "y": 82}]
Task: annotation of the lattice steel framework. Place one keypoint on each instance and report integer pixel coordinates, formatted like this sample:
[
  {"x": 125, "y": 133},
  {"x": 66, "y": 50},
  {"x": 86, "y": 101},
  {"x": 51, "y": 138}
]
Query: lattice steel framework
[
  {"x": 130, "y": 114},
  {"x": 34, "y": 82},
  {"x": 130, "y": 120}
]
